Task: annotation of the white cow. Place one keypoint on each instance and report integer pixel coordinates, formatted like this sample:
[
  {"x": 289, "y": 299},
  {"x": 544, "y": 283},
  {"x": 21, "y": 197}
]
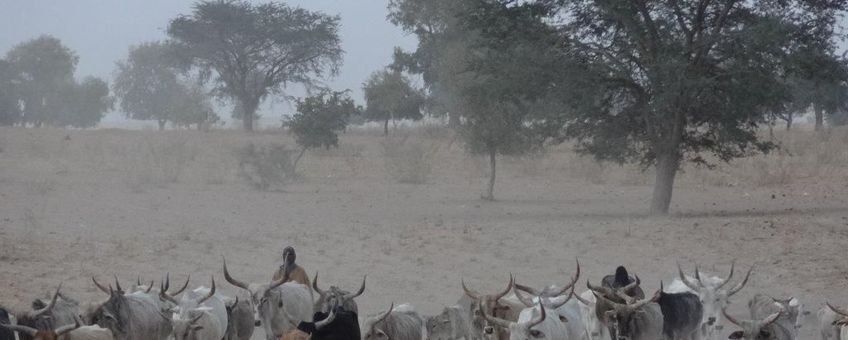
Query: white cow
[
  {"x": 200, "y": 315},
  {"x": 275, "y": 302},
  {"x": 713, "y": 294},
  {"x": 593, "y": 326},
  {"x": 538, "y": 323}
]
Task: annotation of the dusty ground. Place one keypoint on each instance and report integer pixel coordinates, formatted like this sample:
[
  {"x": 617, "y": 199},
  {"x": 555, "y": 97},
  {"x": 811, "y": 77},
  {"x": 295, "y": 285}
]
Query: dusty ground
[{"x": 142, "y": 203}]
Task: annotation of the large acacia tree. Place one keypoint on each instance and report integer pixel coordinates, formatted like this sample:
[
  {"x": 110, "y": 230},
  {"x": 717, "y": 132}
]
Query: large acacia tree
[
  {"x": 676, "y": 80},
  {"x": 257, "y": 50}
]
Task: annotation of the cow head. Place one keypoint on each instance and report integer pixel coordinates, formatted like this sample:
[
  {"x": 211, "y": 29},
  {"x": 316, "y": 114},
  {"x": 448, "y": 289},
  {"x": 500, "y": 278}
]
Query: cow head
[
  {"x": 268, "y": 303},
  {"x": 46, "y": 316},
  {"x": 611, "y": 296},
  {"x": 752, "y": 329},
  {"x": 533, "y": 324},
  {"x": 623, "y": 317},
  {"x": 336, "y": 297},
  {"x": 52, "y": 334},
  {"x": 713, "y": 293},
  {"x": 446, "y": 325},
  {"x": 488, "y": 305},
  {"x": 187, "y": 329},
  {"x": 793, "y": 309},
  {"x": 304, "y": 330}
]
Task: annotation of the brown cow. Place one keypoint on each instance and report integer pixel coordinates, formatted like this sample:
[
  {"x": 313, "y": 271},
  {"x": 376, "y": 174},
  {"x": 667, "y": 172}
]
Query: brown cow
[{"x": 43, "y": 334}]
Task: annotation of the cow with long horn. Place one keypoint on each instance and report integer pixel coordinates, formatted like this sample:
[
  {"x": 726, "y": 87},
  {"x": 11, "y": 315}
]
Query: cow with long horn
[
  {"x": 636, "y": 319},
  {"x": 831, "y": 321},
  {"x": 757, "y": 329},
  {"x": 502, "y": 304},
  {"x": 132, "y": 317},
  {"x": 714, "y": 293},
  {"x": 536, "y": 322},
  {"x": 784, "y": 327},
  {"x": 562, "y": 306},
  {"x": 396, "y": 323},
  {"x": 202, "y": 315},
  {"x": 274, "y": 301},
  {"x": 620, "y": 288},
  {"x": 58, "y": 312},
  {"x": 336, "y": 297}
]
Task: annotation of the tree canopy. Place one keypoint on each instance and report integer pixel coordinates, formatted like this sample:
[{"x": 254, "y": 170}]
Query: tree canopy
[
  {"x": 319, "y": 119},
  {"x": 390, "y": 96},
  {"x": 253, "y": 51}
]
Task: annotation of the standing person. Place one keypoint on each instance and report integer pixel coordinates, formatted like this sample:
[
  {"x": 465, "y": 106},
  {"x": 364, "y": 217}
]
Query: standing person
[{"x": 289, "y": 271}]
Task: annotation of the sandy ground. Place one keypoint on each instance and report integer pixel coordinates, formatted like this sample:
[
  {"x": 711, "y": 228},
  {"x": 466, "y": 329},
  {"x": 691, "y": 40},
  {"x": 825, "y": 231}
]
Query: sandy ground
[{"x": 145, "y": 203}]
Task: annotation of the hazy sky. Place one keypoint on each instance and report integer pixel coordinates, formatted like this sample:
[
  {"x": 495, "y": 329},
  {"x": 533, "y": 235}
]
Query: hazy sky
[{"x": 101, "y": 31}]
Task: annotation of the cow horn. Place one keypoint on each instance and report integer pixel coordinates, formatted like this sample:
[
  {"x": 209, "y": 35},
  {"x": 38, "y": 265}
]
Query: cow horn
[
  {"x": 118, "y": 285},
  {"x": 508, "y": 288},
  {"x": 211, "y": 293},
  {"x": 769, "y": 319},
  {"x": 185, "y": 285},
  {"x": 167, "y": 284},
  {"x": 683, "y": 278},
  {"x": 493, "y": 319},
  {"x": 564, "y": 301},
  {"x": 315, "y": 285},
  {"x": 541, "y": 318},
  {"x": 582, "y": 300},
  {"x": 573, "y": 281},
  {"x": 67, "y": 328},
  {"x": 230, "y": 279},
  {"x": 741, "y": 285},
  {"x": 632, "y": 285},
  {"x": 149, "y": 288},
  {"x": 101, "y": 287},
  {"x": 837, "y": 310},
  {"x": 729, "y": 276},
  {"x": 599, "y": 289},
  {"x": 196, "y": 318},
  {"x": 527, "y": 290},
  {"x": 138, "y": 280},
  {"x": 20, "y": 329},
  {"x": 730, "y": 318},
  {"x": 472, "y": 294},
  {"x": 163, "y": 295},
  {"x": 358, "y": 293},
  {"x": 50, "y": 306},
  {"x": 328, "y": 320},
  {"x": 386, "y": 314},
  {"x": 518, "y": 293}
]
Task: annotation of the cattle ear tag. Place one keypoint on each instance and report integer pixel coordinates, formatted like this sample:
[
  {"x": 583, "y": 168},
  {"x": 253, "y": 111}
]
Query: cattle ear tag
[
  {"x": 562, "y": 318},
  {"x": 736, "y": 335}
]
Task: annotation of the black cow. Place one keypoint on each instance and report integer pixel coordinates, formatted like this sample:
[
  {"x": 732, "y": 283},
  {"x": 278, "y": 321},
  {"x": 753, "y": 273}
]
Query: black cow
[
  {"x": 682, "y": 313},
  {"x": 5, "y": 333},
  {"x": 339, "y": 324},
  {"x": 612, "y": 288}
]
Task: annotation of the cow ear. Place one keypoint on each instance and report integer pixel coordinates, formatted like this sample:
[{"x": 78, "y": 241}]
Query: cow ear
[
  {"x": 562, "y": 318},
  {"x": 736, "y": 335}
]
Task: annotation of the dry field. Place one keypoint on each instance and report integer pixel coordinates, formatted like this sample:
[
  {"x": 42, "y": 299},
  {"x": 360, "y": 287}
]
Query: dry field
[{"x": 142, "y": 203}]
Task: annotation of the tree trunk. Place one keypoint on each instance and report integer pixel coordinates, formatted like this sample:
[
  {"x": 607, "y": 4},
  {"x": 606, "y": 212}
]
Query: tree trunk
[
  {"x": 666, "y": 168},
  {"x": 386, "y": 128},
  {"x": 161, "y": 124},
  {"x": 788, "y": 121},
  {"x": 490, "y": 192},
  {"x": 249, "y": 106},
  {"x": 297, "y": 159},
  {"x": 819, "y": 117}
]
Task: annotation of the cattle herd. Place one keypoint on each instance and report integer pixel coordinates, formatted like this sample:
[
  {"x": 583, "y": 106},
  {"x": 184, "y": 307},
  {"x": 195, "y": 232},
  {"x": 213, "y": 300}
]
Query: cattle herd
[{"x": 691, "y": 307}]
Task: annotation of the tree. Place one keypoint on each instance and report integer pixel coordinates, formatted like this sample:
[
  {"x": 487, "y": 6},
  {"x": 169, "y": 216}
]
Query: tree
[
  {"x": 10, "y": 112},
  {"x": 193, "y": 106},
  {"x": 84, "y": 104},
  {"x": 390, "y": 96},
  {"x": 148, "y": 83},
  {"x": 45, "y": 67},
  {"x": 818, "y": 80},
  {"x": 500, "y": 79},
  {"x": 257, "y": 50},
  {"x": 319, "y": 119},
  {"x": 436, "y": 25},
  {"x": 669, "y": 81}
]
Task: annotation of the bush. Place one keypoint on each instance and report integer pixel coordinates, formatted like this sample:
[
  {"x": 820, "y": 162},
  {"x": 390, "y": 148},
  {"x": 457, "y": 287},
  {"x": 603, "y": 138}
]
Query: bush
[
  {"x": 265, "y": 166},
  {"x": 409, "y": 162}
]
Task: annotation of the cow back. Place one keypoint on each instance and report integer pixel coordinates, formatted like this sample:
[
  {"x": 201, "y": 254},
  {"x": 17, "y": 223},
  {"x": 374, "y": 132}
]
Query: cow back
[
  {"x": 5, "y": 333},
  {"x": 682, "y": 314}
]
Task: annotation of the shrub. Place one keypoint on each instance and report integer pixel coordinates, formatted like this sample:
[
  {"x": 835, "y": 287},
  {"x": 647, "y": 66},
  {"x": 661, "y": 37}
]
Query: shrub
[{"x": 265, "y": 166}]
